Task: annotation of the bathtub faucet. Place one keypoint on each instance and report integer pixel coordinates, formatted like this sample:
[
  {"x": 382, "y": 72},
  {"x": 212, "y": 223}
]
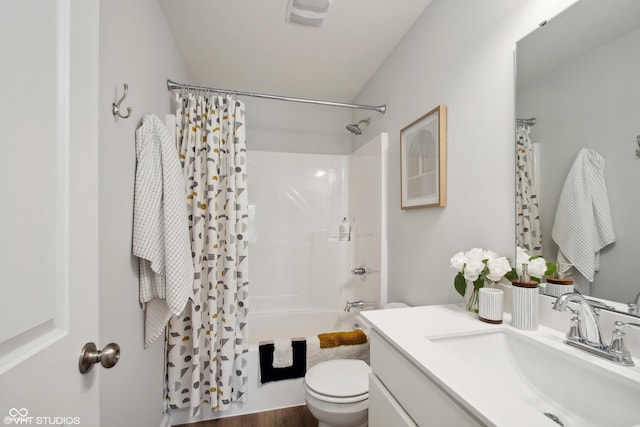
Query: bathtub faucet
[{"x": 358, "y": 304}]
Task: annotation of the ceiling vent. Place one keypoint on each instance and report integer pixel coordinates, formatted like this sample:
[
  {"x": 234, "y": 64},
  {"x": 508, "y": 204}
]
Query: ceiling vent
[{"x": 308, "y": 12}]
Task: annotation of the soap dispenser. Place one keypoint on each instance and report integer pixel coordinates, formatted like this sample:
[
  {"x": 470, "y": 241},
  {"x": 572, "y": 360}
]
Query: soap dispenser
[
  {"x": 524, "y": 302},
  {"x": 559, "y": 284}
]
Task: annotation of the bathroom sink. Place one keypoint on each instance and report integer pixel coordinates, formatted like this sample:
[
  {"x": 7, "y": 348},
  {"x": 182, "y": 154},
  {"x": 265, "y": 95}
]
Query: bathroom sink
[{"x": 546, "y": 376}]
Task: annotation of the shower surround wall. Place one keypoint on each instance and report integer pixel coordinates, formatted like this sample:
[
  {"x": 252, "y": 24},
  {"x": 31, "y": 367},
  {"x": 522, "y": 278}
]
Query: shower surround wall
[
  {"x": 297, "y": 201},
  {"x": 368, "y": 204}
]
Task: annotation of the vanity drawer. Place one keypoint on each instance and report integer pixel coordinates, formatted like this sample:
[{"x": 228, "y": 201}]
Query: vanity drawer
[
  {"x": 384, "y": 410},
  {"x": 423, "y": 400}
]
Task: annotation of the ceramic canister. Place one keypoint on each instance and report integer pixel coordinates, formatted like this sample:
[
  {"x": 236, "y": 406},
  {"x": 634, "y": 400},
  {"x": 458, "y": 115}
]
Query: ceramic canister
[{"x": 491, "y": 305}]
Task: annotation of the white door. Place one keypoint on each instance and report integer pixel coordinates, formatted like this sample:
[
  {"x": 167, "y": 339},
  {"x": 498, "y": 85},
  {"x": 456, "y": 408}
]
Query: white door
[{"x": 49, "y": 211}]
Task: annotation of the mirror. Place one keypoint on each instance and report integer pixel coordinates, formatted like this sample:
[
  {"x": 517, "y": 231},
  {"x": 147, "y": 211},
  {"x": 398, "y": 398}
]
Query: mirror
[{"x": 578, "y": 76}]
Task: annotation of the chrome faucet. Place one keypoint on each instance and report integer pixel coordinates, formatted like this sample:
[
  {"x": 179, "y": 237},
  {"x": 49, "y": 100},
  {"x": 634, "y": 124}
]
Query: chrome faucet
[
  {"x": 633, "y": 307},
  {"x": 359, "y": 271},
  {"x": 363, "y": 271},
  {"x": 617, "y": 347},
  {"x": 358, "y": 304},
  {"x": 586, "y": 320},
  {"x": 584, "y": 331}
]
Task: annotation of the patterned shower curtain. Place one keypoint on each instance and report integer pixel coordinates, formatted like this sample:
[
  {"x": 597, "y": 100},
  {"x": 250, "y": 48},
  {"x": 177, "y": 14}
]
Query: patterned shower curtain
[
  {"x": 528, "y": 231},
  {"x": 207, "y": 344}
]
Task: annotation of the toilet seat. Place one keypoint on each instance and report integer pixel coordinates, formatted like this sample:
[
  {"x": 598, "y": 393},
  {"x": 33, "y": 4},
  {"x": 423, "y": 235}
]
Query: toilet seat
[{"x": 339, "y": 381}]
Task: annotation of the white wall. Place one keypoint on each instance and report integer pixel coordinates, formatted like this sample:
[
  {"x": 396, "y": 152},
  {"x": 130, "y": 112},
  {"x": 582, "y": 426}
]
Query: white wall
[
  {"x": 592, "y": 102},
  {"x": 458, "y": 53},
  {"x": 136, "y": 48}
]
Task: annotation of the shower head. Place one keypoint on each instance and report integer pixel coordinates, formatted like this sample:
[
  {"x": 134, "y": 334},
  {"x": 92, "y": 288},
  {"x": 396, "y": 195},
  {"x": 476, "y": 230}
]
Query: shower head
[{"x": 354, "y": 128}]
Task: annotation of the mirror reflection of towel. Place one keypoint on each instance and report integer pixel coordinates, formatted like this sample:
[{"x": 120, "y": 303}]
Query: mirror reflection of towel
[{"x": 583, "y": 223}]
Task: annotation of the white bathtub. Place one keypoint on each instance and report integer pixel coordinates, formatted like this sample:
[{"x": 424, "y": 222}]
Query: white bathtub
[
  {"x": 269, "y": 326},
  {"x": 294, "y": 324}
]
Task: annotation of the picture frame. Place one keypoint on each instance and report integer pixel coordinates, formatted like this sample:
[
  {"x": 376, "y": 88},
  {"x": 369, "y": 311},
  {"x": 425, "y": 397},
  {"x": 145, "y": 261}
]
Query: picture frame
[{"x": 423, "y": 161}]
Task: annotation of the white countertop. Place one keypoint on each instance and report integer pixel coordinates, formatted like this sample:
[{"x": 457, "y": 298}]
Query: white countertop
[{"x": 408, "y": 329}]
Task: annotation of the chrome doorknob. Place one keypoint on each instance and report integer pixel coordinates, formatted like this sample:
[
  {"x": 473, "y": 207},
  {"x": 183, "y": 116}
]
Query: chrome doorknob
[{"x": 108, "y": 357}]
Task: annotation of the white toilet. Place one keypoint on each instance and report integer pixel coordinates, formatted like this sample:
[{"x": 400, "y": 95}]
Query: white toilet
[{"x": 337, "y": 391}]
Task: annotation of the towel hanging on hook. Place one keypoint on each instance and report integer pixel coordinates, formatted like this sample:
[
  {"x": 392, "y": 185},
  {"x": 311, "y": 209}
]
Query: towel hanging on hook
[{"x": 115, "y": 107}]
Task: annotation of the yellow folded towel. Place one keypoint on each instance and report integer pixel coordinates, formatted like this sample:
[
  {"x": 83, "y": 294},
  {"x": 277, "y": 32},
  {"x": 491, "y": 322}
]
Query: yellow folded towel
[{"x": 335, "y": 339}]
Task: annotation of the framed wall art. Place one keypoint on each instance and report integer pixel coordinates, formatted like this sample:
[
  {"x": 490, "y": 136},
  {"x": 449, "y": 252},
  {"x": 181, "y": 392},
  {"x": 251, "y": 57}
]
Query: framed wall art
[{"x": 423, "y": 161}]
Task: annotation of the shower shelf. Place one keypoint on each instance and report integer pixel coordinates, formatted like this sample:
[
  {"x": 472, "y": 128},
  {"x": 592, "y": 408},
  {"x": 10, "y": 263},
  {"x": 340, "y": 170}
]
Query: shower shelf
[{"x": 359, "y": 236}]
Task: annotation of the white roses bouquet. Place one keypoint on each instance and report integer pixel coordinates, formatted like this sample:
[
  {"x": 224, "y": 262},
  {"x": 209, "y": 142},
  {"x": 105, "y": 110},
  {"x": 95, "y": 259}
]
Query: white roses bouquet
[
  {"x": 478, "y": 266},
  {"x": 537, "y": 267}
]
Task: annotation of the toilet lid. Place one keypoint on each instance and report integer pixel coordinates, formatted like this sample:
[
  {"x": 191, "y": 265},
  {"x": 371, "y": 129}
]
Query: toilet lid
[{"x": 339, "y": 378}]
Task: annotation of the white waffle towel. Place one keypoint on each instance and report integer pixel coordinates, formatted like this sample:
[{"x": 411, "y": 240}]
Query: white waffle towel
[
  {"x": 583, "y": 223},
  {"x": 282, "y": 353},
  {"x": 160, "y": 229}
]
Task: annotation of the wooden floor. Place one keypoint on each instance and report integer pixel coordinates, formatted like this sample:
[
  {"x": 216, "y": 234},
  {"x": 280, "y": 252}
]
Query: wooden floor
[{"x": 297, "y": 416}]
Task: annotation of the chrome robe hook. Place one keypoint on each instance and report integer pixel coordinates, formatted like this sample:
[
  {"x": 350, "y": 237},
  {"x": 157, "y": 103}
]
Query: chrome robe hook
[{"x": 115, "y": 107}]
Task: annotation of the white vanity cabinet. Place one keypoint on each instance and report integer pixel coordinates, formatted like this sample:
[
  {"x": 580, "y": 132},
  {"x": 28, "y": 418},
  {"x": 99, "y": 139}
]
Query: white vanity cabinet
[
  {"x": 400, "y": 394},
  {"x": 384, "y": 409}
]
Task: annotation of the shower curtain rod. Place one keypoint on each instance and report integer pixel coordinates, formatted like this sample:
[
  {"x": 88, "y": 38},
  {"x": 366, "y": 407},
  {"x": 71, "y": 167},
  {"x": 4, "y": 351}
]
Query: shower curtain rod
[{"x": 171, "y": 85}]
